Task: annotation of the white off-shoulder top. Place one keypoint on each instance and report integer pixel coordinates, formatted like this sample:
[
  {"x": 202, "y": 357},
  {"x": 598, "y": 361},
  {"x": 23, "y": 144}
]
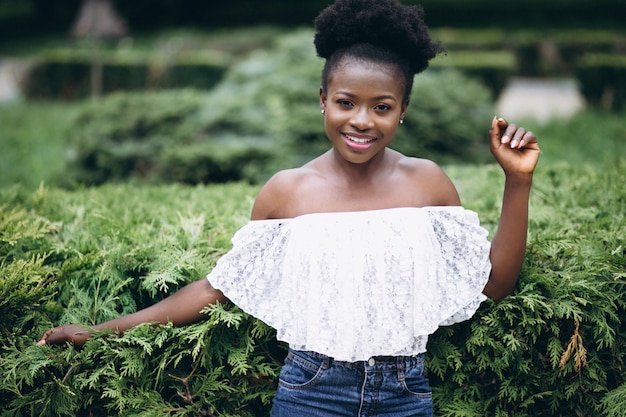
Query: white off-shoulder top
[{"x": 353, "y": 285}]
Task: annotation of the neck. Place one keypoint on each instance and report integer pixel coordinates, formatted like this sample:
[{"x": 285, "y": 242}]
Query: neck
[{"x": 359, "y": 173}]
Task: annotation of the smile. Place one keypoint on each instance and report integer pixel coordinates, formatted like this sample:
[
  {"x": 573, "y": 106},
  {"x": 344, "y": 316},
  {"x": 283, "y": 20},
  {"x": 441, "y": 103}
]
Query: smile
[{"x": 360, "y": 141}]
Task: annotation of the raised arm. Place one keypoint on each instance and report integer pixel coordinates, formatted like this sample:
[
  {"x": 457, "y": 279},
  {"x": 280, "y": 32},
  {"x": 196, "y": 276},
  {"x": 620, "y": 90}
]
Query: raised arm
[
  {"x": 517, "y": 152},
  {"x": 182, "y": 307}
]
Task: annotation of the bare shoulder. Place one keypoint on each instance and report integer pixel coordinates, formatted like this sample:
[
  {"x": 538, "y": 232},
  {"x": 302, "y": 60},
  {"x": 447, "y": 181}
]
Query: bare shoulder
[
  {"x": 432, "y": 179},
  {"x": 273, "y": 200}
]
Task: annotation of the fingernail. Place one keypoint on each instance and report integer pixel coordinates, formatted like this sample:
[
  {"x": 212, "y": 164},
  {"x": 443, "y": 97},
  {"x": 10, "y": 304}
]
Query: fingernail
[
  {"x": 513, "y": 144},
  {"x": 505, "y": 139}
]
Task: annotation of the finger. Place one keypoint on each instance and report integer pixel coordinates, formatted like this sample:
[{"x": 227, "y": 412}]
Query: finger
[
  {"x": 54, "y": 336},
  {"x": 517, "y": 137},
  {"x": 508, "y": 133},
  {"x": 494, "y": 132},
  {"x": 529, "y": 137},
  {"x": 44, "y": 337},
  {"x": 498, "y": 124}
]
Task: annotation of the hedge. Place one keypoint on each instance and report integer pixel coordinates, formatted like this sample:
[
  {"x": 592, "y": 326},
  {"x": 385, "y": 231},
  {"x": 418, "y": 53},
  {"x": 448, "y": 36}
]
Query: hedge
[
  {"x": 492, "y": 68},
  {"x": 66, "y": 74},
  {"x": 264, "y": 114},
  {"x": 491, "y": 55},
  {"x": 603, "y": 80},
  {"x": 553, "y": 348}
]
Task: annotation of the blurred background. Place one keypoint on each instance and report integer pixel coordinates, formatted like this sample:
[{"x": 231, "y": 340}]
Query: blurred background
[
  {"x": 103, "y": 90},
  {"x": 29, "y": 17}
]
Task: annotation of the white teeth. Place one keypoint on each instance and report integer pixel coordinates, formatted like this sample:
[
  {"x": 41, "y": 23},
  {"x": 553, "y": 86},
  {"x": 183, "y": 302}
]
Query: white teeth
[{"x": 360, "y": 141}]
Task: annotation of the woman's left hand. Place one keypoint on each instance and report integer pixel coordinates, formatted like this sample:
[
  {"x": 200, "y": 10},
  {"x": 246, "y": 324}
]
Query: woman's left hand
[{"x": 515, "y": 148}]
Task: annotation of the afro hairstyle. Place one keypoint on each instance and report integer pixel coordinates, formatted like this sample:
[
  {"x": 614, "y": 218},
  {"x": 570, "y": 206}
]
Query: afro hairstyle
[{"x": 384, "y": 31}]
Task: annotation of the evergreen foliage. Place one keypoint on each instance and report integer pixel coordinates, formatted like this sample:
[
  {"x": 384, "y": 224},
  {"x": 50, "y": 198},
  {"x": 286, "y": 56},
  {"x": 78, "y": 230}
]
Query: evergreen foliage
[
  {"x": 264, "y": 115},
  {"x": 108, "y": 252},
  {"x": 156, "y": 137},
  {"x": 274, "y": 94},
  {"x": 553, "y": 348}
]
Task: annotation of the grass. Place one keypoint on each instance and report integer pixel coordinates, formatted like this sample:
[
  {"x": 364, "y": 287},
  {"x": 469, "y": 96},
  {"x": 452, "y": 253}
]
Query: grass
[
  {"x": 32, "y": 140},
  {"x": 590, "y": 138}
]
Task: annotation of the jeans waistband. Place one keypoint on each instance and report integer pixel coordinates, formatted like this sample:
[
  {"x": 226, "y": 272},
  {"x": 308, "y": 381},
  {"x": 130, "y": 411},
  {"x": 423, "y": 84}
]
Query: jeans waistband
[{"x": 403, "y": 362}]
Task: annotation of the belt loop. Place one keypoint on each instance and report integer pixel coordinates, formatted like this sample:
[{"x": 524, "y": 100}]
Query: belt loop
[
  {"x": 326, "y": 362},
  {"x": 400, "y": 367}
]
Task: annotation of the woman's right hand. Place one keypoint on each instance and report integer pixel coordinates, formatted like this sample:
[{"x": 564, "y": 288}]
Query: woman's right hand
[
  {"x": 77, "y": 335},
  {"x": 181, "y": 308}
]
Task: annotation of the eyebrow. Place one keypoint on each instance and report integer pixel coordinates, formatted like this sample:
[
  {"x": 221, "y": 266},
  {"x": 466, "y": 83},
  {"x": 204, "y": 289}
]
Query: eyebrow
[{"x": 382, "y": 97}]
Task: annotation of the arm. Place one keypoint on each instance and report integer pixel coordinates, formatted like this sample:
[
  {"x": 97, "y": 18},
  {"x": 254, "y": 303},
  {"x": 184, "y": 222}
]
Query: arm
[
  {"x": 182, "y": 307},
  {"x": 517, "y": 152}
]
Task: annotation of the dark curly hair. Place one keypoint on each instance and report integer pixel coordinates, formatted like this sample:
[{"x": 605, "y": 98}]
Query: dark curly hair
[{"x": 382, "y": 31}]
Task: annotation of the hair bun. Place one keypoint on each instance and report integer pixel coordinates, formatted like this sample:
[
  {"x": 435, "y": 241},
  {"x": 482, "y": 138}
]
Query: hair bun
[{"x": 384, "y": 23}]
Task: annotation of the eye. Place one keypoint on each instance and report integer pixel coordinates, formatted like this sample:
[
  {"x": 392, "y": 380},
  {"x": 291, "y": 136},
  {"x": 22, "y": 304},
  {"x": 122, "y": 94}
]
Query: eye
[
  {"x": 343, "y": 102},
  {"x": 382, "y": 107}
]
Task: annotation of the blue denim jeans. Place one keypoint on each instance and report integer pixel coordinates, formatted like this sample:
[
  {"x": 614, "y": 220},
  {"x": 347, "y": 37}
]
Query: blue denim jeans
[{"x": 314, "y": 385}]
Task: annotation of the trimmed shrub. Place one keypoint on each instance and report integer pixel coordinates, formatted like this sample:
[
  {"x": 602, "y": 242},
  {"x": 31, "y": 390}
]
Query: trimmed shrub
[
  {"x": 262, "y": 117},
  {"x": 603, "y": 80},
  {"x": 495, "y": 54},
  {"x": 447, "y": 120},
  {"x": 552, "y": 349},
  {"x": 158, "y": 137},
  {"x": 275, "y": 93},
  {"x": 492, "y": 68},
  {"x": 66, "y": 74},
  {"x": 99, "y": 259}
]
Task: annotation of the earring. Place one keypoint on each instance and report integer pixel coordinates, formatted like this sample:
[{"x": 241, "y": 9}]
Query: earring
[
  {"x": 323, "y": 111},
  {"x": 401, "y": 121}
]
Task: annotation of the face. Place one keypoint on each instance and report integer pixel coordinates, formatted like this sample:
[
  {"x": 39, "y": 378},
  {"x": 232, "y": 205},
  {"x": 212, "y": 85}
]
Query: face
[{"x": 363, "y": 106}]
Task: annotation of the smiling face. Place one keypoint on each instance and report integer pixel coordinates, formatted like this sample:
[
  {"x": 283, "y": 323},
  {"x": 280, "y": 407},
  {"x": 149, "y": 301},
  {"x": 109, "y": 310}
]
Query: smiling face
[{"x": 363, "y": 105}]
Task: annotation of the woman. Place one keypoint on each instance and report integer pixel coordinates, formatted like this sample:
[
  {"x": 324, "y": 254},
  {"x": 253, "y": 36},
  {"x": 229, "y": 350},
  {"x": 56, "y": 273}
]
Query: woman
[{"x": 360, "y": 254}]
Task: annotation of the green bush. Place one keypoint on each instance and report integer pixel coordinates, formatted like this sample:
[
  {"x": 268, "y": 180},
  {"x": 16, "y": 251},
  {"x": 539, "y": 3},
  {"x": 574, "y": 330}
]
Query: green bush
[
  {"x": 447, "y": 120},
  {"x": 99, "y": 259},
  {"x": 553, "y": 348},
  {"x": 492, "y": 68},
  {"x": 603, "y": 80},
  {"x": 494, "y": 54},
  {"x": 263, "y": 116},
  {"x": 158, "y": 137},
  {"x": 275, "y": 93},
  {"x": 66, "y": 74}
]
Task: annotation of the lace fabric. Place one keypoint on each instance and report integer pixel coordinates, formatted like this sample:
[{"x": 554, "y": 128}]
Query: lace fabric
[{"x": 359, "y": 284}]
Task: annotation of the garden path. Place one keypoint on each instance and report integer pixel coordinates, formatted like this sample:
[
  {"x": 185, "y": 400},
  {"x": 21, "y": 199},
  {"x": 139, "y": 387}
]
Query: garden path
[{"x": 539, "y": 99}]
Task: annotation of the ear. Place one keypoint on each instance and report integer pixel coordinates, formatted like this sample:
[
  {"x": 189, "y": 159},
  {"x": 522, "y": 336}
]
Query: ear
[
  {"x": 322, "y": 98},
  {"x": 405, "y": 106}
]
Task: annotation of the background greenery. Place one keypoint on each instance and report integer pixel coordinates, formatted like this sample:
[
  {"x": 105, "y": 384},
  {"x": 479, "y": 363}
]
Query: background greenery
[
  {"x": 553, "y": 348},
  {"x": 74, "y": 252},
  {"x": 89, "y": 254},
  {"x": 47, "y": 15}
]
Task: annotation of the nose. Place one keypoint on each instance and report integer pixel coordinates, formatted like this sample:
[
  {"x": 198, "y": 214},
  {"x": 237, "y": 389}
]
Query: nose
[{"x": 361, "y": 119}]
